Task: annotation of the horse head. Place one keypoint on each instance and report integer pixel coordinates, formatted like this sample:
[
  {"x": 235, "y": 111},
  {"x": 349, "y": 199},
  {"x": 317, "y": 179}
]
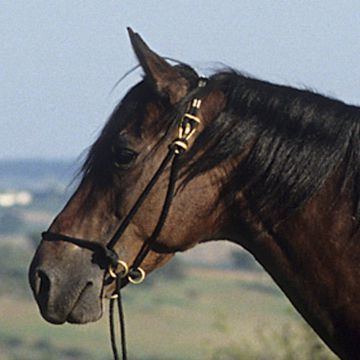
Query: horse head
[{"x": 69, "y": 280}]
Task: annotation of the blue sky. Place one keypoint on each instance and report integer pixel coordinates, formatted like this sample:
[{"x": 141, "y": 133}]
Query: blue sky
[{"x": 60, "y": 59}]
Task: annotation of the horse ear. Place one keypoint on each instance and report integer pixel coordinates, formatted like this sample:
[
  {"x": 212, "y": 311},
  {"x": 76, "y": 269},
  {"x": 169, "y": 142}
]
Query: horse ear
[{"x": 166, "y": 79}]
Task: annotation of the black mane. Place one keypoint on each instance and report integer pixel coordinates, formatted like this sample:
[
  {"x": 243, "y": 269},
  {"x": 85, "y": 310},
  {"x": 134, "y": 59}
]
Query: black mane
[{"x": 297, "y": 139}]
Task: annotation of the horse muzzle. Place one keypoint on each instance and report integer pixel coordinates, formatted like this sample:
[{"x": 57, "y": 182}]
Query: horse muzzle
[{"x": 66, "y": 294}]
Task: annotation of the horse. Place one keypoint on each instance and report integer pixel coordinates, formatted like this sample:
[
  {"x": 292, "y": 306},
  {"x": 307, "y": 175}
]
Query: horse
[{"x": 272, "y": 168}]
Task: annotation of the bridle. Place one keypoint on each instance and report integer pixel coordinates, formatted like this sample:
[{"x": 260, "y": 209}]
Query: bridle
[{"x": 118, "y": 269}]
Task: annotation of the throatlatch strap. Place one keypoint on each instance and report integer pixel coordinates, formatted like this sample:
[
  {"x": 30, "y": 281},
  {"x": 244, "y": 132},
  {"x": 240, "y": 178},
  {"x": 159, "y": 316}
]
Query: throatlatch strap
[
  {"x": 139, "y": 201},
  {"x": 165, "y": 210}
]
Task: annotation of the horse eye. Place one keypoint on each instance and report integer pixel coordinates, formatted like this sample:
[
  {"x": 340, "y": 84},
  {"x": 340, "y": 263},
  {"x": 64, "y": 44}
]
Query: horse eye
[{"x": 123, "y": 156}]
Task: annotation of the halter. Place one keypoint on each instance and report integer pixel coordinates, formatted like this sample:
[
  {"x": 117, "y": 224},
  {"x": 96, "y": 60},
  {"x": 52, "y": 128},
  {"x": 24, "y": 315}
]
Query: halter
[{"x": 118, "y": 269}]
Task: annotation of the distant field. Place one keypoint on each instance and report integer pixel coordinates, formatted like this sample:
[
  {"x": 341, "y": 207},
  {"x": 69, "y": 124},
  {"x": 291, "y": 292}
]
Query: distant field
[
  {"x": 207, "y": 315},
  {"x": 215, "y": 315}
]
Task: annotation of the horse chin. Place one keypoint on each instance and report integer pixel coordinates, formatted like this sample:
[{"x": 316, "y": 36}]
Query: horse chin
[
  {"x": 78, "y": 316},
  {"x": 82, "y": 313}
]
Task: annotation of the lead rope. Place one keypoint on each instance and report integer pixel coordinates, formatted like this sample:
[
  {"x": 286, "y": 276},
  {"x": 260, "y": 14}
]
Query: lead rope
[{"x": 121, "y": 324}]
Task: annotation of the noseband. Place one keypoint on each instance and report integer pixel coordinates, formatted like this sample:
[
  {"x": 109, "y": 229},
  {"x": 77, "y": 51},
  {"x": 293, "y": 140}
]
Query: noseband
[{"x": 118, "y": 269}]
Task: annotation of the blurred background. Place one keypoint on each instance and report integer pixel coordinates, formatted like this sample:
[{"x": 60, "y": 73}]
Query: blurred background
[{"x": 59, "y": 62}]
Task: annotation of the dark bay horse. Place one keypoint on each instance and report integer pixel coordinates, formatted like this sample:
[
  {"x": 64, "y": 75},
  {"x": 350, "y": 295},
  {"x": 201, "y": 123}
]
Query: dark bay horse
[{"x": 272, "y": 168}]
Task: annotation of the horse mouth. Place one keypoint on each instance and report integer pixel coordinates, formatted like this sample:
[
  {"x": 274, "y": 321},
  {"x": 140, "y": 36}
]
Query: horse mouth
[{"x": 86, "y": 308}]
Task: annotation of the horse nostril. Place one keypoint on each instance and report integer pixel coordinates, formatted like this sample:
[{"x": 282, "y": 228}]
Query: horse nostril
[{"x": 42, "y": 285}]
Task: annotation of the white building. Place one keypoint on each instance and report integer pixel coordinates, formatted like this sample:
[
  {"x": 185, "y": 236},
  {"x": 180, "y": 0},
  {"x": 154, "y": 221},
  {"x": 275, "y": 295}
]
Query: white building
[{"x": 12, "y": 198}]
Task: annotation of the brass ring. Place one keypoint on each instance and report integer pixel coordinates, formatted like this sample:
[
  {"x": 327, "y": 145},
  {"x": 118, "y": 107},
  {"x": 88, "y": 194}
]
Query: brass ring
[
  {"x": 113, "y": 296},
  {"x": 112, "y": 271},
  {"x": 137, "y": 280},
  {"x": 179, "y": 146}
]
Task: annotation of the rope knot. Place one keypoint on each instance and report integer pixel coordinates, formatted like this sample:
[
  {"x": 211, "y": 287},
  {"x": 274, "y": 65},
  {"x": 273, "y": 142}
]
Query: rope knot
[{"x": 111, "y": 256}]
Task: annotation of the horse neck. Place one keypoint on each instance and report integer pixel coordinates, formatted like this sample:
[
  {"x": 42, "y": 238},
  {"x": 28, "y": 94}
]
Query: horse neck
[{"x": 313, "y": 257}]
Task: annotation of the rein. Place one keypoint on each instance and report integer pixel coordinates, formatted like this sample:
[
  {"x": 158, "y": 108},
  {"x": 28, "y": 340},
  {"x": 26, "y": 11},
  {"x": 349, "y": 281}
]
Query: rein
[{"x": 118, "y": 269}]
